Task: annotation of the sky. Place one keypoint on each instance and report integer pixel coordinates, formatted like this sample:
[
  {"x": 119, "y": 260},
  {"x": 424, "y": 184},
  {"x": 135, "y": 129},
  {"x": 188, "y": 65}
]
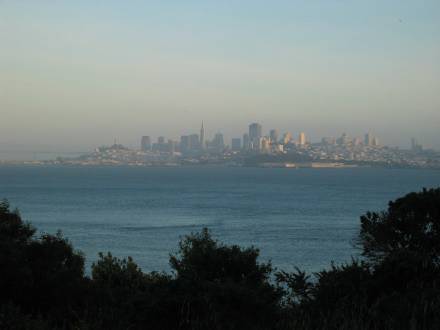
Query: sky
[{"x": 78, "y": 74}]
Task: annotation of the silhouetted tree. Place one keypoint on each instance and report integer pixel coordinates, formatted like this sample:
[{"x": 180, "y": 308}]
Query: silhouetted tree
[
  {"x": 42, "y": 276},
  {"x": 224, "y": 287},
  {"x": 410, "y": 223},
  {"x": 396, "y": 287}
]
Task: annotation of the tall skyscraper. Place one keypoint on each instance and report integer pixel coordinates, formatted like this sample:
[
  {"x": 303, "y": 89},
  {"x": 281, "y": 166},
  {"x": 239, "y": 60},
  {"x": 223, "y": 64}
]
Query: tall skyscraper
[
  {"x": 202, "y": 137},
  {"x": 185, "y": 144},
  {"x": 236, "y": 144},
  {"x": 415, "y": 146},
  {"x": 246, "y": 141},
  {"x": 171, "y": 146},
  {"x": 145, "y": 143},
  {"x": 255, "y": 134},
  {"x": 287, "y": 137},
  {"x": 302, "y": 139},
  {"x": 368, "y": 141},
  {"x": 255, "y": 131},
  {"x": 218, "y": 141},
  {"x": 194, "y": 142},
  {"x": 265, "y": 144},
  {"x": 343, "y": 140},
  {"x": 274, "y": 136}
]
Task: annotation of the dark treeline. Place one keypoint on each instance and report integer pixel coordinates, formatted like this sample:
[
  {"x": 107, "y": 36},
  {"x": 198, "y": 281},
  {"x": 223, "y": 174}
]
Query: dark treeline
[{"x": 396, "y": 285}]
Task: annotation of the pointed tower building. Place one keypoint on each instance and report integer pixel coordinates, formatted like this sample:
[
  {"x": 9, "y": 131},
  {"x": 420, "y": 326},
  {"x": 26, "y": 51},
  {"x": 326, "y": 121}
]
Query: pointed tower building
[{"x": 202, "y": 137}]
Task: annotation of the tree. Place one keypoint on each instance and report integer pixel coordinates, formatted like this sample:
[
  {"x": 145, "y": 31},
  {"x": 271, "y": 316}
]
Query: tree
[
  {"x": 411, "y": 223},
  {"x": 224, "y": 287},
  {"x": 41, "y": 276}
]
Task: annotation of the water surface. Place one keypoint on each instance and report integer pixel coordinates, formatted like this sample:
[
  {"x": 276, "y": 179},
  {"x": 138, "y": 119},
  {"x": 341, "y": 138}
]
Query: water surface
[{"x": 296, "y": 217}]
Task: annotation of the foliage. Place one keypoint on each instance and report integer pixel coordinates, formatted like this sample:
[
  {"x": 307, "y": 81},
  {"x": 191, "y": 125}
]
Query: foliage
[
  {"x": 411, "y": 223},
  {"x": 42, "y": 276}
]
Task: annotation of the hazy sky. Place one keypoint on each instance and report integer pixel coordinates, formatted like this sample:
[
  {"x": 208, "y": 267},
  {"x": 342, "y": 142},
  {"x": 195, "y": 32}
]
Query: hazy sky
[{"x": 77, "y": 74}]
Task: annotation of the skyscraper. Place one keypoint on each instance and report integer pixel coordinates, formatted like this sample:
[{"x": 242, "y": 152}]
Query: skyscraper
[
  {"x": 274, "y": 136},
  {"x": 287, "y": 137},
  {"x": 415, "y": 146},
  {"x": 246, "y": 142},
  {"x": 302, "y": 139},
  {"x": 202, "y": 137},
  {"x": 171, "y": 146},
  {"x": 255, "y": 131},
  {"x": 185, "y": 144},
  {"x": 255, "y": 134},
  {"x": 145, "y": 143},
  {"x": 218, "y": 142},
  {"x": 265, "y": 144},
  {"x": 343, "y": 140},
  {"x": 194, "y": 142},
  {"x": 236, "y": 144},
  {"x": 368, "y": 141}
]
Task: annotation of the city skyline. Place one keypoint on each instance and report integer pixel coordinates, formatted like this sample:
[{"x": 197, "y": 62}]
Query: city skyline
[
  {"x": 254, "y": 148},
  {"x": 78, "y": 74},
  {"x": 252, "y": 139},
  {"x": 406, "y": 142}
]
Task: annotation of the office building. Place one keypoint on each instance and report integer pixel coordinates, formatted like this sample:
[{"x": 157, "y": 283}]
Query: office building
[
  {"x": 246, "y": 141},
  {"x": 146, "y": 143},
  {"x": 343, "y": 140},
  {"x": 287, "y": 137},
  {"x": 202, "y": 137},
  {"x": 274, "y": 136},
  {"x": 236, "y": 144},
  {"x": 265, "y": 144},
  {"x": 194, "y": 142},
  {"x": 368, "y": 140},
  {"x": 255, "y": 134},
  {"x": 302, "y": 139},
  {"x": 218, "y": 142},
  {"x": 185, "y": 145}
]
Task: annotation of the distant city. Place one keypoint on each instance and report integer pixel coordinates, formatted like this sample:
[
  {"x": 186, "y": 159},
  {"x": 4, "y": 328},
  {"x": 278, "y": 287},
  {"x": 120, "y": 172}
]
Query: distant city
[{"x": 257, "y": 149}]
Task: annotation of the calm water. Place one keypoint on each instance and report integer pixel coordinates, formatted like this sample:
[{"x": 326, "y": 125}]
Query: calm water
[{"x": 303, "y": 217}]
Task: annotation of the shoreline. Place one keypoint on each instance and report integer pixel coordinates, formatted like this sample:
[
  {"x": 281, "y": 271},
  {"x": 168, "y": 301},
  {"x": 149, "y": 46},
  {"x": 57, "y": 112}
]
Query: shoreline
[{"x": 283, "y": 165}]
